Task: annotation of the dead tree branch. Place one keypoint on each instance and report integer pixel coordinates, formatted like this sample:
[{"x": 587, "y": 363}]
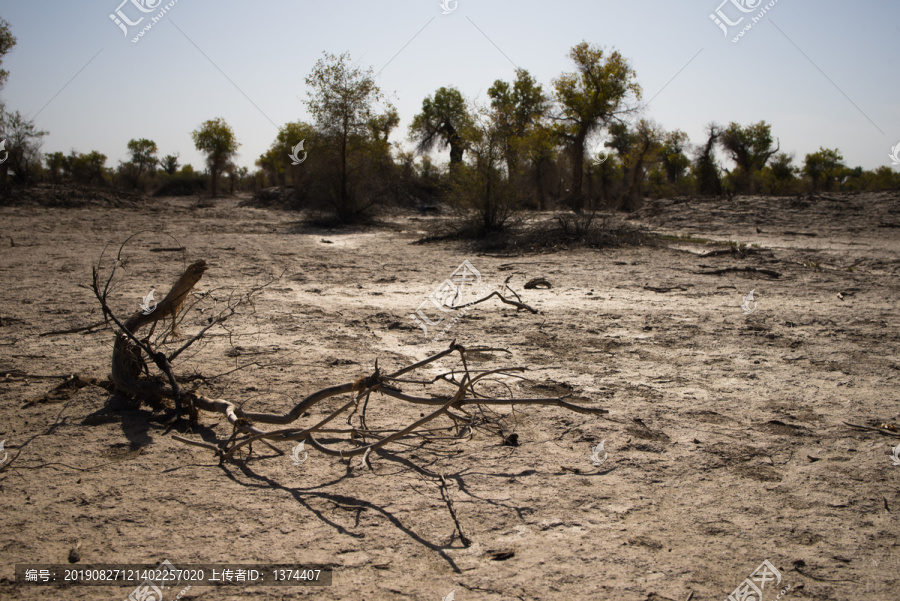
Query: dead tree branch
[
  {"x": 465, "y": 394},
  {"x": 517, "y": 304},
  {"x": 769, "y": 272},
  {"x": 131, "y": 376}
]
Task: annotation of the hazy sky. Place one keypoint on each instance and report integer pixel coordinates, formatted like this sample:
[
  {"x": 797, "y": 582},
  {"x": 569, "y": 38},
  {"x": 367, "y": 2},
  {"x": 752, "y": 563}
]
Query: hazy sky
[{"x": 821, "y": 73}]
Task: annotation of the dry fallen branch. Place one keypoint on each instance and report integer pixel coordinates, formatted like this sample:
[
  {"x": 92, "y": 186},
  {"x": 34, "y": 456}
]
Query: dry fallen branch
[
  {"x": 467, "y": 386},
  {"x": 538, "y": 283},
  {"x": 769, "y": 272},
  {"x": 517, "y": 304},
  {"x": 733, "y": 250},
  {"x": 664, "y": 289},
  {"x": 466, "y": 394},
  {"x": 884, "y": 431},
  {"x": 445, "y": 494}
]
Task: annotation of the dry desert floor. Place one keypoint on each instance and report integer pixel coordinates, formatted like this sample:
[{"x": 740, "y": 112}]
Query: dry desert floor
[{"x": 727, "y": 434}]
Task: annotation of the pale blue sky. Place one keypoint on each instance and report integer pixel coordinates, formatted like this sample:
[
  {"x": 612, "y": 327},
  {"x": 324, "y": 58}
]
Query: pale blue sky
[{"x": 822, "y": 73}]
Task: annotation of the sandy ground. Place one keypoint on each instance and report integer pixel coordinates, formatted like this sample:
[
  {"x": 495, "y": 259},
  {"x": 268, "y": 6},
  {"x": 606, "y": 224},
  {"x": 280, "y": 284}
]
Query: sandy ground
[{"x": 725, "y": 435}]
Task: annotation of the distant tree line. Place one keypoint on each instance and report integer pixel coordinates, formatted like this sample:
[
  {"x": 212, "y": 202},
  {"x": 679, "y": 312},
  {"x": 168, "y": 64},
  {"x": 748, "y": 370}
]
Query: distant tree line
[{"x": 526, "y": 149}]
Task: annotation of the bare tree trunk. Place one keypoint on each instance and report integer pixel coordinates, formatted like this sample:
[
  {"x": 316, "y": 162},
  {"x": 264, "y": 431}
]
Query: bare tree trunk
[
  {"x": 590, "y": 194},
  {"x": 214, "y": 172},
  {"x": 604, "y": 186},
  {"x": 456, "y": 149},
  {"x": 539, "y": 181},
  {"x": 634, "y": 198},
  {"x": 343, "y": 207},
  {"x": 576, "y": 200}
]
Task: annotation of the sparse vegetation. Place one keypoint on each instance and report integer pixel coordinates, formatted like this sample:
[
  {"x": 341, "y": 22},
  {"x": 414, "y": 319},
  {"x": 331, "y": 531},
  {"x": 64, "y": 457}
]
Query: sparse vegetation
[
  {"x": 528, "y": 150},
  {"x": 217, "y": 141}
]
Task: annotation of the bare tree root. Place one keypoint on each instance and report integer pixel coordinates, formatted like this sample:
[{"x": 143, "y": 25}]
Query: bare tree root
[
  {"x": 130, "y": 373},
  {"x": 128, "y": 361}
]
